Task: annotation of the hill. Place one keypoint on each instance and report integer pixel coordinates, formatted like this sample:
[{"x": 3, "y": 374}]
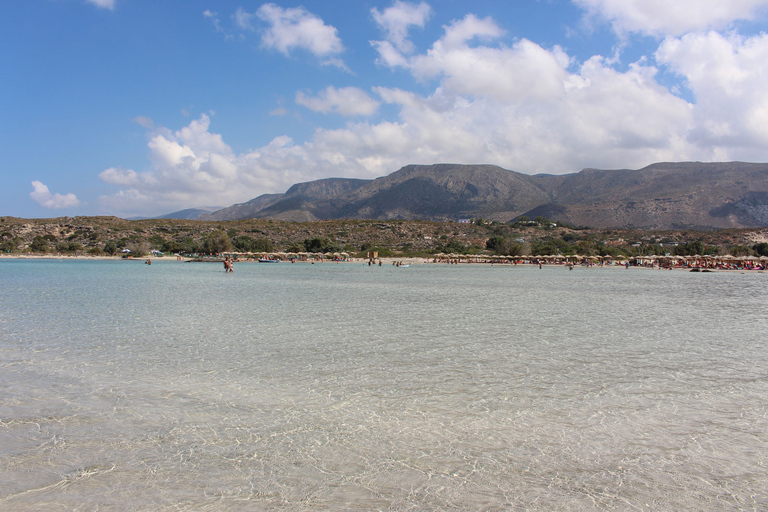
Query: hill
[
  {"x": 189, "y": 213},
  {"x": 687, "y": 195}
]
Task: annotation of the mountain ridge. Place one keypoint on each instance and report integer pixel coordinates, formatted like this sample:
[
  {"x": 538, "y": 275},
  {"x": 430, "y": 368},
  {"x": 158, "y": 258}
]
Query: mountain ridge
[{"x": 664, "y": 195}]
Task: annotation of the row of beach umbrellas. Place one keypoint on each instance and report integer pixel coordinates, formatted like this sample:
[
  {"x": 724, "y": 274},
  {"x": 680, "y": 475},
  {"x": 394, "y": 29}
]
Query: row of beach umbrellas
[
  {"x": 289, "y": 255},
  {"x": 481, "y": 257},
  {"x": 577, "y": 257}
]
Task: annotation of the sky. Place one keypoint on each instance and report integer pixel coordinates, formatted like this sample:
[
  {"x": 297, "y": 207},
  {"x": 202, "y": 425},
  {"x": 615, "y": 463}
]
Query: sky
[{"x": 145, "y": 107}]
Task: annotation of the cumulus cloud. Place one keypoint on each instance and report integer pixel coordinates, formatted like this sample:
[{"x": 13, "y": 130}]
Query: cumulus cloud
[
  {"x": 665, "y": 18},
  {"x": 396, "y": 20},
  {"x": 294, "y": 28},
  {"x": 524, "y": 70},
  {"x": 346, "y": 101},
  {"x": 194, "y": 166},
  {"x": 42, "y": 196},
  {"x": 122, "y": 177},
  {"x": 522, "y": 106},
  {"x": 104, "y": 4},
  {"x": 727, "y": 75}
]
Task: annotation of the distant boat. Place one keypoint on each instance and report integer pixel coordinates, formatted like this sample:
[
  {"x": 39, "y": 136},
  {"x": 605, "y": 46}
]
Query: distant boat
[{"x": 265, "y": 260}]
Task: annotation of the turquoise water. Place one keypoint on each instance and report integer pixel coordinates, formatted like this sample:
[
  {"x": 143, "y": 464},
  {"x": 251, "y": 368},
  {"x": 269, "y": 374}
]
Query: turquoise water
[{"x": 176, "y": 386}]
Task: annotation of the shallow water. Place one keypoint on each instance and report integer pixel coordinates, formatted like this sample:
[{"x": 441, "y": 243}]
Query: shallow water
[{"x": 346, "y": 387}]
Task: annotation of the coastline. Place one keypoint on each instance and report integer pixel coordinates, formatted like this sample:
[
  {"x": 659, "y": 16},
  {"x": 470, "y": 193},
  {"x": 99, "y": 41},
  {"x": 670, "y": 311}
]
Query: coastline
[{"x": 391, "y": 261}]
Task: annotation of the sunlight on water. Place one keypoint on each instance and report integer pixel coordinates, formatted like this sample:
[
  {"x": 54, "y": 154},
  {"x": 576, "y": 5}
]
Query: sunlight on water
[{"x": 348, "y": 387}]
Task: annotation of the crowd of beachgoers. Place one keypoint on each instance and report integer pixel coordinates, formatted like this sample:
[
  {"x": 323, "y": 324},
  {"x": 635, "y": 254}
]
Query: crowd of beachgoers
[
  {"x": 658, "y": 262},
  {"x": 758, "y": 263}
]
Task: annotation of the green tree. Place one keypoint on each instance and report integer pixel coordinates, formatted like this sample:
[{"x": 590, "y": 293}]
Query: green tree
[
  {"x": 157, "y": 242},
  {"x": 454, "y": 247},
  {"x": 740, "y": 250},
  {"x": 110, "y": 247},
  {"x": 320, "y": 245},
  {"x": 39, "y": 244},
  {"x": 264, "y": 245},
  {"x": 184, "y": 245},
  {"x": 9, "y": 245},
  {"x": 244, "y": 243},
  {"x": 690, "y": 249},
  {"x": 138, "y": 247},
  {"x": 496, "y": 244},
  {"x": 552, "y": 246},
  {"x": 216, "y": 242},
  {"x": 515, "y": 249},
  {"x": 761, "y": 249}
]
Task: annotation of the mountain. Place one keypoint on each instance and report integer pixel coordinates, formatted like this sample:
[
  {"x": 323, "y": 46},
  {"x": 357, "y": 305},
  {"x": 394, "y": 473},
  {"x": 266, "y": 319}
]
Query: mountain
[
  {"x": 660, "y": 196},
  {"x": 302, "y": 202},
  {"x": 189, "y": 213},
  {"x": 668, "y": 196},
  {"x": 247, "y": 210}
]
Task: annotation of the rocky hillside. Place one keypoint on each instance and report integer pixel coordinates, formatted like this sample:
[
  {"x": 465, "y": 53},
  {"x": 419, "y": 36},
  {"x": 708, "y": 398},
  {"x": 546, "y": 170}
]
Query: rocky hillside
[{"x": 661, "y": 196}]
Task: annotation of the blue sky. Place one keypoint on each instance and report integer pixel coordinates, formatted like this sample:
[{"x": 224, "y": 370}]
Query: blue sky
[{"x": 144, "y": 107}]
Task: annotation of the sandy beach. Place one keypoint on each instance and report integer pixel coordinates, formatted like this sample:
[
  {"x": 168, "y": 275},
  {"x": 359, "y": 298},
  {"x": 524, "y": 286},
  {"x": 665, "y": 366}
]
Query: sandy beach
[{"x": 483, "y": 260}]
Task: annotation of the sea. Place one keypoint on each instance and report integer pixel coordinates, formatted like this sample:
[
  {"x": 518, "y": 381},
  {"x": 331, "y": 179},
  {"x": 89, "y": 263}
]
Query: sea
[{"x": 341, "y": 386}]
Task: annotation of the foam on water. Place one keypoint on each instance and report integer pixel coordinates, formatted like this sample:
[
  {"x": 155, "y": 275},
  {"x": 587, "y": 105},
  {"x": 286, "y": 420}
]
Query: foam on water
[{"x": 333, "y": 387}]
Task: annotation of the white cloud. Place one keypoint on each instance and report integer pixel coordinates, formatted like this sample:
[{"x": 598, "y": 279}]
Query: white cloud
[
  {"x": 286, "y": 30},
  {"x": 214, "y": 17},
  {"x": 673, "y": 18},
  {"x": 389, "y": 55},
  {"x": 524, "y": 70},
  {"x": 727, "y": 75},
  {"x": 397, "y": 20},
  {"x": 193, "y": 166},
  {"x": 346, "y": 101},
  {"x": 295, "y": 28},
  {"x": 43, "y": 197},
  {"x": 122, "y": 177},
  {"x": 104, "y": 4},
  {"x": 523, "y": 107},
  {"x": 243, "y": 19},
  {"x": 144, "y": 122}
]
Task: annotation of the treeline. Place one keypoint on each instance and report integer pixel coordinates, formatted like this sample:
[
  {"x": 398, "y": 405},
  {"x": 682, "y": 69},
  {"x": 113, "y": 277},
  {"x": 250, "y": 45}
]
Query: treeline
[
  {"x": 566, "y": 245},
  {"x": 521, "y": 237}
]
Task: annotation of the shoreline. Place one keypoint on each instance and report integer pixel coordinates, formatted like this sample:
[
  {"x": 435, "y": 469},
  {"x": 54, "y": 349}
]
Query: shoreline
[{"x": 385, "y": 261}]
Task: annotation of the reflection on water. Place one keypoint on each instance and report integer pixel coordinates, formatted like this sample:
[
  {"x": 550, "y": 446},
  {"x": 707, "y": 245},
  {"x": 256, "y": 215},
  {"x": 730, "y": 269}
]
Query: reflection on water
[{"x": 332, "y": 387}]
